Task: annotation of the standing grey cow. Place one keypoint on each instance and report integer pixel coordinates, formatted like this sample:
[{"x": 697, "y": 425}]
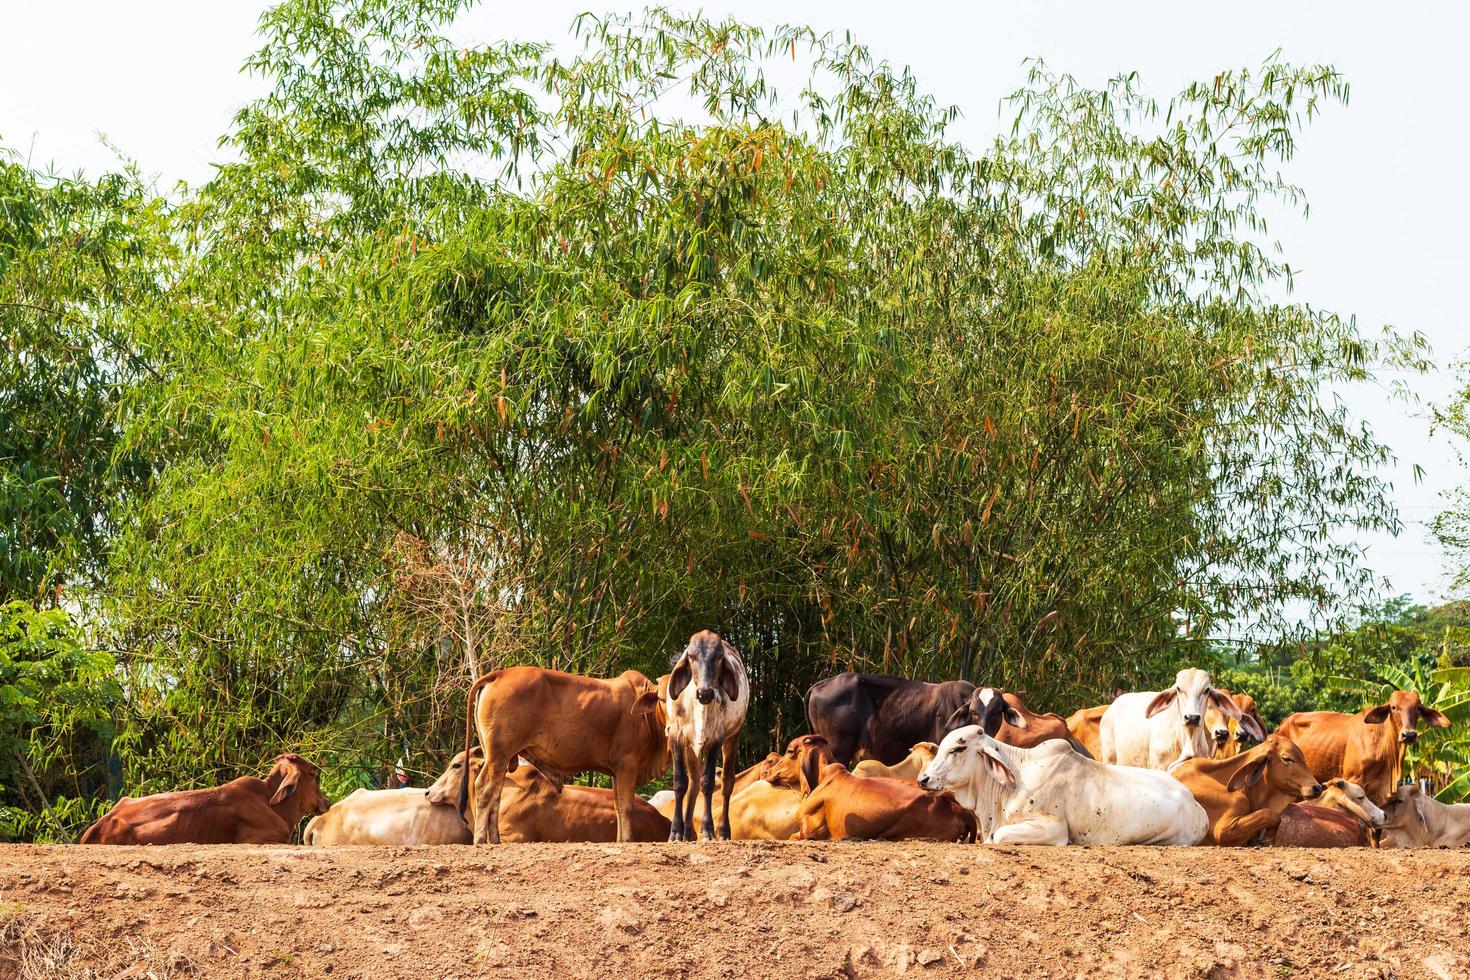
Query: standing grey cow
[{"x": 706, "y": 698}]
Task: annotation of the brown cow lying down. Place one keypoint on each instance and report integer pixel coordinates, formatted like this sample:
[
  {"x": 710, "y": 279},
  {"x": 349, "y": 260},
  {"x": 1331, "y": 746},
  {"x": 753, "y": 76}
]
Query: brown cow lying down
[
  {"x": 243, "y": 811},
  {"x": 919, "y": 756},
  {"x": 534, "y": 810},
  {"x": 564, "y": 724},
  {"x": 1414, "y": 819},
  {"x": 1305, "y": 825},
  {"x": 836, "y": 805},
  {"x": 1244, "y": 796}
]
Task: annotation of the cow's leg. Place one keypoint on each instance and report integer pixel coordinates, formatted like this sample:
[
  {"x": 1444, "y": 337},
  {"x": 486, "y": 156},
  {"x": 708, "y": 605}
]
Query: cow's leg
[
  {"x": 728, "y": 761},
  {"x": 1240, "y": 831},
  {"x": 1049, "y": 832},
  {"x": 707, "y": 787},
  {"x": 625, "y": 784},
  {"x": 681, "y": 784},
  {"x": 691, "y": 796},
  {"x": 487, "y": 798}
]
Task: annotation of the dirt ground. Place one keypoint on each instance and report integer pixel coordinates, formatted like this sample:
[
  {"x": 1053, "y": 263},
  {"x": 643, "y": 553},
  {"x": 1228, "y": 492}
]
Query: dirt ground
[{"x": 731, "y": 910}]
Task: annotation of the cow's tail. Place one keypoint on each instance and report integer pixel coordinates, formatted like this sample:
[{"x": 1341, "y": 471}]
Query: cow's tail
[{"x": 463, "y": 803}]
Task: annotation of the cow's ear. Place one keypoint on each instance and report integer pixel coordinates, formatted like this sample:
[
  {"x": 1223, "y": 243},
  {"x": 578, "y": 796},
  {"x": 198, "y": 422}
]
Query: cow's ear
[
  {"x": 1435, "y": 718},
  {"x": 729, "y": 672},
  {"x": 647, "y": 703},
  {"x": 1014, "y": 718},
  {"x": 287, "y": 787},
  {"x": 1224, "y": 705},
  {"x": 1252, "y": 727},
  {"x": 1161, "y": 701},
  {"x": 997, "y": 767},
  {"x": 679, "y": 679},
  {"x": 959, "y": 719},
  {"x": 810, "y": 771},
  {"x": 1247, "y": 776},
  {"x": 1378, "y": 715}
]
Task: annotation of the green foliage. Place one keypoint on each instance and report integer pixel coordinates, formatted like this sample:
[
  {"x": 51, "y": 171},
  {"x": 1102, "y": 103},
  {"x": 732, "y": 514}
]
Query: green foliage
[
  {"x": 480, "y": 356},
  {"x": 74, "y": 258},
  {"x": 56, "y": 702},
  {"x": 619, "y": 352}
]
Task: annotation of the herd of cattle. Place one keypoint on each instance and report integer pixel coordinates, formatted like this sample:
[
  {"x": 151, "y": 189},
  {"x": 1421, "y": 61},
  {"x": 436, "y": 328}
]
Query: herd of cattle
[{"x": 886, "y": 759}]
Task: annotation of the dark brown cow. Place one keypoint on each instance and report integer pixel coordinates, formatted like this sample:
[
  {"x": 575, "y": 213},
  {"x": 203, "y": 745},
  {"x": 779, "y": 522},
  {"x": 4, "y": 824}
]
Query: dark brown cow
[
  {"x": 1366, "y": 748},
  {"x": 836, "y": 805},
  {"x": 243, "y": 811},
  {"x": 876, "y": 716},
  {"x": 1305, "y": 825},
  {"x": 563, "y": 724},
  {"x": 1001, "y": 715}
]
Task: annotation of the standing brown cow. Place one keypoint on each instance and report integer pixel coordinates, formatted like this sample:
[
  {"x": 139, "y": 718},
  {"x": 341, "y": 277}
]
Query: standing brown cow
[
  {"x": 563, "y": 724},
  {"x": 1244, "y": 796},
  {"x": 1366, "y": 748},
  {"x": 243, "y": 811}
]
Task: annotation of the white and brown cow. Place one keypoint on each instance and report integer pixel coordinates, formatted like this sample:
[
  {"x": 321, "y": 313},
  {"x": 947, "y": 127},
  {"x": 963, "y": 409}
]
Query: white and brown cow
[
  {"x": 1159, "y": 729},
  {"x": 705, "y": 701}
]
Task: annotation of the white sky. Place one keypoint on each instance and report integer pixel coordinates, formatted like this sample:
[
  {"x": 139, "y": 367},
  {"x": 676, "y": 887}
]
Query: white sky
[{"x": 1385, "y": 176}]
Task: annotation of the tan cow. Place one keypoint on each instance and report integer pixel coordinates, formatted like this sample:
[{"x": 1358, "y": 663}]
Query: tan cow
[
  {"x": 919, "y": 756},
  {"x": 1244, "y": 796},
  {"x": 765, "y": 811},
  {"x": 1366, "y": 748},
  {"x": 1412, "y": 818},
  {"x": 386, "y": 817},
  {"x": 535, "y": 810},
  {"x": 1085, "y": 726},
  {"x": 563, "y": 724}
]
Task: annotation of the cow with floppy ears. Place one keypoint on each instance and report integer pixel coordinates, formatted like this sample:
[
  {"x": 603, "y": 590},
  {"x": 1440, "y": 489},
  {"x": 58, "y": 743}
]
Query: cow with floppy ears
[
  {"x": 1001, "y": 715},
  {"x": 705, "y": 701}
]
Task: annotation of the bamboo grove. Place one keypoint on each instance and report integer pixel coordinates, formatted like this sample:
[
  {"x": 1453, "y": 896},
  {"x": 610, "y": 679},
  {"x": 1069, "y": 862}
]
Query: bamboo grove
[{"x": 468, "y": 357}]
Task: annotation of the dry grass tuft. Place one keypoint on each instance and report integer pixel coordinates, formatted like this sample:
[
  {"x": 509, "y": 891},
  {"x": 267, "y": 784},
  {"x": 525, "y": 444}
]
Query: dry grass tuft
[{"x": 29, "y": 950}]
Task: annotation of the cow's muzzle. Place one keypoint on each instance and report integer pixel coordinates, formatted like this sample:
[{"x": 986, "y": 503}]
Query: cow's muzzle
[
  {"x": 705, "y": 695},
  {"x": 923, "y": 781},
  {"x": 1314, "y": 792},
  {"x": 1408, "y": 738},
  {"x": 1191, "y": 719}
]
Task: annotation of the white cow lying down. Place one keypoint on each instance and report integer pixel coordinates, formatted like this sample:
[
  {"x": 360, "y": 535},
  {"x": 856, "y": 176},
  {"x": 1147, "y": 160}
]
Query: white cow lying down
[{"x": 1052, "y": 795}]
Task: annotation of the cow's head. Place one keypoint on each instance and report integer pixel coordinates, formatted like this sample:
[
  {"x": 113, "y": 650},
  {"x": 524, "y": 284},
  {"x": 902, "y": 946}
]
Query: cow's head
[
  {"x": 1402, "y": 811},
  {"x": 447, "y": 789},
  {"x": 1280, "y": 765},
  {"x": 711, "y": 665},
  {"x": 1194, "y": 694},
  {"x": 987, "y": 708},
  {"x": 966, "y": 754},
  {"x": 1404, "y": 710},
  {"x": 297, "y": 778},
  {"x": 801, "y": 764},
  {"x": 1348, "y": 796}
]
